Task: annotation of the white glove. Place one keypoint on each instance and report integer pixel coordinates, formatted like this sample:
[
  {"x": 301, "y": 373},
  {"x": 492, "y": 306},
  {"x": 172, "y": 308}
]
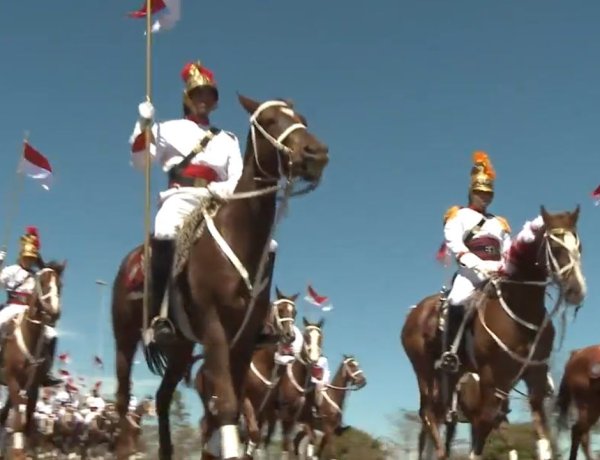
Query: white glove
[
  {"x": 470, "y": 260},
  {"x": 489, "y": 267},
  {"x": 146, "y": 113},
  {"x": 2, "y": 256}
]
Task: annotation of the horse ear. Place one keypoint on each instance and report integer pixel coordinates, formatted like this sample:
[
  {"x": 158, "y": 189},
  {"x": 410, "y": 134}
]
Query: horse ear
[
  {"x": 544, "y": 214},
  {"x": 294, "y": 297},
  {"x": 321, "y": 323},
  {"x": 575, "y": 216},
  {"x": 278, "y": 293},
  {"x": 61, "y": 267},
  {"x": 305, "y": 322},
  {"x": 248, "y": 104}
]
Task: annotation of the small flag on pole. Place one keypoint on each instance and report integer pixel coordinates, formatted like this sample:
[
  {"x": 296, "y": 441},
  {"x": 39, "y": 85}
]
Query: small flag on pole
[
  {"x": 317, "y": 300},
  {"x": 170, "y": 13},
  {"x": 35, "y": 165},
  {"x": 64, "y": 358},
  {"x": 442, "y": 255},
  {"x": 596, "y": 196}
]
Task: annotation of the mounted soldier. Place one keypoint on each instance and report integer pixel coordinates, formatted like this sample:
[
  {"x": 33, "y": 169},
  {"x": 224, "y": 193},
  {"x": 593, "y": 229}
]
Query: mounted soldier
[
  {"x": 19, "y": 282},
  {"x": 201, "y": 162},
  {"x": 478, "y": 240}
]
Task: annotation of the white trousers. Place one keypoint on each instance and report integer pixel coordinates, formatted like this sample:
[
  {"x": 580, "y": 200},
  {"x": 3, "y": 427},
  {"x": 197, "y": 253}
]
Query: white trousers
[
  {"x": 11, "y": 310},
  {"x": 175, "y": 205},
  {"x": 465, "y": 283}
]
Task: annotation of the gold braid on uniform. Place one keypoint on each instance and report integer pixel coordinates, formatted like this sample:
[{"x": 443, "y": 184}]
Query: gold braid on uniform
[{"x": 192, "y": 228}]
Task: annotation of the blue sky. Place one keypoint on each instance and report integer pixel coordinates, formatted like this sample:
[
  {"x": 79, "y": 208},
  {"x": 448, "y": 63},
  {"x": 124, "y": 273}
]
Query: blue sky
[{"x": 402, "y": 92}]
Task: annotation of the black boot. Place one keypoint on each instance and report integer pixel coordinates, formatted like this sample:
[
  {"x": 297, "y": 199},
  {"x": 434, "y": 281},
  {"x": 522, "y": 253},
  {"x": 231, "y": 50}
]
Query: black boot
[
  {"x": 163, "y": 252},
  {"x": 264, "y": 338},
  {"x": 449, "y": 361},
  {"x": 341, "y": 429},
  {"x": 51, "y": 380}
]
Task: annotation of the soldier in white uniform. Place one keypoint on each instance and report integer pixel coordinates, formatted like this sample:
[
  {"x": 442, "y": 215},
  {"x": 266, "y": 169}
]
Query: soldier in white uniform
[
  {"x": 199, "y": 159},
  {"x": 19, "y": 282},
  {"x": 478, "y": 240},
  {"x": 94, "y": 406}
]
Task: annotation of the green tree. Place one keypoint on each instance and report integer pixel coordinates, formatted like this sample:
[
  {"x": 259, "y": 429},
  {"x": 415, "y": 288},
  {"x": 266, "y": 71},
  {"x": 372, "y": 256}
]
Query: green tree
[{"x": 522, "y": 437}]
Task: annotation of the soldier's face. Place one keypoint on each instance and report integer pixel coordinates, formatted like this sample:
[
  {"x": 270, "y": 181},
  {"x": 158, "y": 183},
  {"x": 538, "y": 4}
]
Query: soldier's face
[
  {"x": 481, "y": 200},
  {"x": 204, "y": 100},
  {"x": 27, "y": 262}
]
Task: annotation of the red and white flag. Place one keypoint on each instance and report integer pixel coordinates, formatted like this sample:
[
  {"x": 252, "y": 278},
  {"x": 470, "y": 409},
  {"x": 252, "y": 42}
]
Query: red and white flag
[
  {"x": 317, "y": 300},
  {"x": 169, "y": 13},
  {"x": 596, "y": 196},
  {"x": 64, "y": 373},
  {"x": 36, "y": 166},
  {"x": 64, "y": 358}
]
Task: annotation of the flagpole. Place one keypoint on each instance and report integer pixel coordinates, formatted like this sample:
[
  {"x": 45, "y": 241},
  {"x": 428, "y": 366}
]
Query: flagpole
[
  {"x": 101, "y": 285},
  {"x": 15, "y": 197},
  {"x": 148, "y": 165}
]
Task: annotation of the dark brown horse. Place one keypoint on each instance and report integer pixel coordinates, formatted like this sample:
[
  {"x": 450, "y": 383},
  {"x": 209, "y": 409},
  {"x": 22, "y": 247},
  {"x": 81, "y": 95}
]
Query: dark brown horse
[
  {"x": 330, "y": 407},
  {"x": 580, "y": 388},
  {"x": 21, "y": 352},
  {"x": 512, "y": 332},
  {"x": 215, "y": 296}
]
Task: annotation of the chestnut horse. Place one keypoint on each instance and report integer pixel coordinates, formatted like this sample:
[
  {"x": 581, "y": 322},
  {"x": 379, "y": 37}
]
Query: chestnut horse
[
  {"x": 512, "y": 332},
  {"x": 580, "y": 387},
  {"x": 23, "y": 351},
  {"x": 216, "y": 299},
  {"x": 330, "y": 407}
]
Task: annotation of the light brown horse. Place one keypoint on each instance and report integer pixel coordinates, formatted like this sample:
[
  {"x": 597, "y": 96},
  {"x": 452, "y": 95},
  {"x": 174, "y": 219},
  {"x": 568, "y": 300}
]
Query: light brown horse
[
  {"x": 580, "y": 388},
  {"x": 262, "y": 382},
  {"x": 23, "y": 354},
  {"x": 213, "y": 296},
  {"x": 330, "y": 407},
  {"x": 512, "y": 332}
]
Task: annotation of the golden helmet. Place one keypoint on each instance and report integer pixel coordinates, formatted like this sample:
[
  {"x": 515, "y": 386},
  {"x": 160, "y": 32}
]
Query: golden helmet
[
  {"x": 195, "y": 75},
  {"x": 482, "y": 173},
  {"x": 30, "y": 243}
]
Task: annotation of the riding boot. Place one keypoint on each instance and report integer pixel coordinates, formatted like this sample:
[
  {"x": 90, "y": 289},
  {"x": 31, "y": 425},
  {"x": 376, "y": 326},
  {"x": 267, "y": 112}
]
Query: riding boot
[
  {"x": 163, "y": 252},
  {"x": 449, "y": 361},
  {"x": 51, "y": 380}
]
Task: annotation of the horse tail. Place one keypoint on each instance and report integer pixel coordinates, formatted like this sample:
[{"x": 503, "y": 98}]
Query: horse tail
[
  {"x": 187, "y": 377},
  {"x": 563, "y": 402}
]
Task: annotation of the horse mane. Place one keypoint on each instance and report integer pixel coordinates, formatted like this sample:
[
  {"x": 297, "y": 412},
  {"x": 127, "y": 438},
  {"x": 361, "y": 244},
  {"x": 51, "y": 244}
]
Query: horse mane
[
  {"x": 55, "y": 265},
  {"x": 524, "y": 251}
]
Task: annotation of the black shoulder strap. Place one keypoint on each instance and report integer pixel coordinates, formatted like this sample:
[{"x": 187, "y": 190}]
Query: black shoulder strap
[
  {"x": 475, "y": 229},
  {"x": 212, "y": 132}
]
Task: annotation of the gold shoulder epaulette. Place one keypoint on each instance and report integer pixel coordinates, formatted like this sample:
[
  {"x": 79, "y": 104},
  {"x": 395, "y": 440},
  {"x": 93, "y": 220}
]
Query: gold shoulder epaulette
[
  {"x": 504, "y": 224},
  {"x": 450, "y": 213}
]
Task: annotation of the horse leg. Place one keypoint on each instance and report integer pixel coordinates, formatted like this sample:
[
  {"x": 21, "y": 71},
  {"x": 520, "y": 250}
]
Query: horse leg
[
  {"x": 179, "y": 360},
  {"x": 252, "y": 427},
  {"x": 507, "y": 439},
  {"x": 126, "y": 344},
  {"x": 450, "y": 433},
  {"x": 17, "y": 451},
  {"x": 536, "y": 382},
  {"x": 486, "y": 418},
  {"x": 218, "y": 371},
  {"x": 287, "y": 425},
  {"x": 427, "y": 413}
]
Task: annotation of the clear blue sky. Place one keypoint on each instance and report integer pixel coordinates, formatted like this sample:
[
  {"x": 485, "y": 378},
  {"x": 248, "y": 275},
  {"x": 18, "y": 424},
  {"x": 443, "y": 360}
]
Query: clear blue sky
[{"x": 401, "y": 91}]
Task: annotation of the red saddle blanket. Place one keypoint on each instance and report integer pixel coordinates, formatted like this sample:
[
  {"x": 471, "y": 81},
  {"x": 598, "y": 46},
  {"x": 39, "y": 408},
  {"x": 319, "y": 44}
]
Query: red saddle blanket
[{"x": 134, "y": 270}]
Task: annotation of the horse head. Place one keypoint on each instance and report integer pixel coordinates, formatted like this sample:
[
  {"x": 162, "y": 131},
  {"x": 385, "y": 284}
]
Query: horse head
[
  {"x": 312, "y": 349},
  {"x": 283, "y": 316},
  {"x": 562, "y": 254},
  {"x": 45, "y": 301},
  {"x": 353, "y": 373},
  {"x": 282, "y": 144}
]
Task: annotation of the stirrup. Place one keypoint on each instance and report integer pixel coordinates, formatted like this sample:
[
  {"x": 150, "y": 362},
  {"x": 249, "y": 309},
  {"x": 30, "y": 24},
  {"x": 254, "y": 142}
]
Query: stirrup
[{"x": 448, "y": 362}]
